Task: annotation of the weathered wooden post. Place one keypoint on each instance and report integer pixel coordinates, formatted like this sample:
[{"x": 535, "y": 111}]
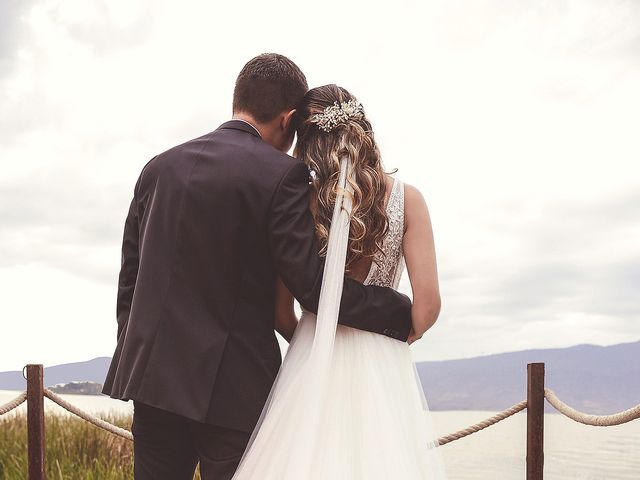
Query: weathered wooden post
[
  {"x": 35, "y": 421},
  {"x": 535, "y": 421}
]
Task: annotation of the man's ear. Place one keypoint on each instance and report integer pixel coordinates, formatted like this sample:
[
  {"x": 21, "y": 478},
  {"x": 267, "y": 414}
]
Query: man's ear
[{"x": 287, "y": 120}]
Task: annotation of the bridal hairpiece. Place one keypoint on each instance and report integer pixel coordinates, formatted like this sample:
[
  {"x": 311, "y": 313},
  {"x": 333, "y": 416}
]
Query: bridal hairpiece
[{"x": 337, "y": 114}]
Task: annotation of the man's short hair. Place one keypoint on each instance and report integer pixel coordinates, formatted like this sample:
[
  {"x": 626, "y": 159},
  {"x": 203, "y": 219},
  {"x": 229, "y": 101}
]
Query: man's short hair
[{"x": 268, "y": 84}]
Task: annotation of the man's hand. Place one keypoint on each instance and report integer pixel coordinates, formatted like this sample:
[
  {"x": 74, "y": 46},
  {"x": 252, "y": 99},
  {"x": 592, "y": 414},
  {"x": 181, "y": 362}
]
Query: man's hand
[{"x": 413, "y": 336}]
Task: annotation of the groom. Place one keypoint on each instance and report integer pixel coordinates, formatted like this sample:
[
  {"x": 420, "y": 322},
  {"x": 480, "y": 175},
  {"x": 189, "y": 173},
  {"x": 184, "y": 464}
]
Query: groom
[{"x": 212, "y": 224}]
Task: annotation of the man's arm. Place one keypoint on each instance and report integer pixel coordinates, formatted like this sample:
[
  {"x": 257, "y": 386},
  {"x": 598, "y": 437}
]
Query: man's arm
[
  {"x": 295, "y": 251},
  {"x": 129, "y": 264}
]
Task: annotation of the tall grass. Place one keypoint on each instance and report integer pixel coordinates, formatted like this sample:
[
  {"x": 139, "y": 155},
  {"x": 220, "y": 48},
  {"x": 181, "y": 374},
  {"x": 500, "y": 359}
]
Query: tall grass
[{"x": 74, "y": 449}]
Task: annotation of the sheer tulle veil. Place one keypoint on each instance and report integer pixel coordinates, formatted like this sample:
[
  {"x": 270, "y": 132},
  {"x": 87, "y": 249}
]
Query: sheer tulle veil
[{"x": 306, "y": 389}]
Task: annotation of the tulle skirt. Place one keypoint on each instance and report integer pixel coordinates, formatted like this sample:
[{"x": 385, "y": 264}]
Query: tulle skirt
[{"x": 366, "y": 419}]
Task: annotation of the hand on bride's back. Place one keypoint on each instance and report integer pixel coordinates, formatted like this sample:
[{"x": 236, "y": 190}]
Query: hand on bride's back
[{"x": 413, "y": 336}]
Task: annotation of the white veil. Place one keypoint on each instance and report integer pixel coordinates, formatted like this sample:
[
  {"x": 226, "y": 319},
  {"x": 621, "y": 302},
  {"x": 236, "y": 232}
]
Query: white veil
[{"x": 300, "y": 392}]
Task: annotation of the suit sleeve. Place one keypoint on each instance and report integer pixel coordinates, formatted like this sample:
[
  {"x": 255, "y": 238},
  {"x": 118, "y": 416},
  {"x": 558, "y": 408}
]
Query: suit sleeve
[
  {"x": 129, "y": 264},
  {"x": 295, "y": 248}
]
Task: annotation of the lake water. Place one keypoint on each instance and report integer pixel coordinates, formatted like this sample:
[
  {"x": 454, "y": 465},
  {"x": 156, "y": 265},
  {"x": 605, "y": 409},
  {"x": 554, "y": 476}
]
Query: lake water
[{"x": 572, "y": 451}]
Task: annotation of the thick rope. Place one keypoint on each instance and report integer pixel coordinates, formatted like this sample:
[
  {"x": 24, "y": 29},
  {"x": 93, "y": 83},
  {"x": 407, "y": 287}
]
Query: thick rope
[
  {"x": 483, "y": 424},
  {"x": 15, "y": 403},
  {"x": 595, "y": 420},
  {"x": 98, "y": 422}
]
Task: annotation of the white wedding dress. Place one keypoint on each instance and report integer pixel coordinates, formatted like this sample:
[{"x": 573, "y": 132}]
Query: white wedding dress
[{"x": 347, "y": 404}]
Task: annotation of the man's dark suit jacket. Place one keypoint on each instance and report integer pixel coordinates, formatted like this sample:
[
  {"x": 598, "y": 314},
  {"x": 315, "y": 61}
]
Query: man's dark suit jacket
[{"x": 212, "y": 224}]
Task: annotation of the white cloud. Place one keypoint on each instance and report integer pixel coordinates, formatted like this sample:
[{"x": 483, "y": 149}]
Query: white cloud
[{"x": 517, "y": 120}]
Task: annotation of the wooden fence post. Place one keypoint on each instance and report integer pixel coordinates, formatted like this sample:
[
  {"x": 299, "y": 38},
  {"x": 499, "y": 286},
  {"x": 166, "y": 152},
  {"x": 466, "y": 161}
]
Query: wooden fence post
[
  {"x": 535, "y": 421},
  {"x": 35, "y": 421}
]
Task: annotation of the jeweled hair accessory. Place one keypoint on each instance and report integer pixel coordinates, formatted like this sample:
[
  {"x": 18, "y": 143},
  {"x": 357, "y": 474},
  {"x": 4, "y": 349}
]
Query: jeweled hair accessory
[{"x": 338, "y": 113}]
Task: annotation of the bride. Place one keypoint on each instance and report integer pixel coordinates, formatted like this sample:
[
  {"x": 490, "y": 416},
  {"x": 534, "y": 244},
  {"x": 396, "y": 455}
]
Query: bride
[{"x": 347, "y": 404}]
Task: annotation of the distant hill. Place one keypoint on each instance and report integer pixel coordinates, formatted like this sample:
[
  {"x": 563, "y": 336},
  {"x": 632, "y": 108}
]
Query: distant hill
[
  {"x": 591, "y": 378},
  {"x": 92, "y": 371}
]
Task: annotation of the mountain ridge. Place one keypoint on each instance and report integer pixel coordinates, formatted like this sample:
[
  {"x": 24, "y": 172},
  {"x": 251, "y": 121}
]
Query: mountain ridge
[{"x": 593, "y": 378}]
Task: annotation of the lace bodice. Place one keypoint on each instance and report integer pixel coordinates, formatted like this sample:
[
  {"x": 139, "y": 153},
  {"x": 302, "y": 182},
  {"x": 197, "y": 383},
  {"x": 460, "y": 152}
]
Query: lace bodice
[{"x": 388, "y": 265}]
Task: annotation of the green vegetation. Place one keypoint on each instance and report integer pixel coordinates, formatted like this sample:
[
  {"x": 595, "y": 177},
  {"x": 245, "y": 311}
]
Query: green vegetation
[{"x": 75, "y": 449}]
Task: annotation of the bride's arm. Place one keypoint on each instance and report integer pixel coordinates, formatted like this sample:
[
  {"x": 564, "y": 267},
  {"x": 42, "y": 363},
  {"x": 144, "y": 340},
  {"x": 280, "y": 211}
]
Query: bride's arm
[
  {"x": 420, "y": 257},
  {"x": 286, "y": 320}
]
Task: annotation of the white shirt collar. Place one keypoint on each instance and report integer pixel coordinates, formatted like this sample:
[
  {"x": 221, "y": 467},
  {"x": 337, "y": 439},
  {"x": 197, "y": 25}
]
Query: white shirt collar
[{"x": 252, "y": 126}]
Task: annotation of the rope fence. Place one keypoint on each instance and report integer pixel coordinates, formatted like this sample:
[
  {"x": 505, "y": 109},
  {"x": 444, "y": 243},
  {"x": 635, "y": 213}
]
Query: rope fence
[
  {"x": 98, "y": 422},
  {"x": 587, "y": 419},
  {"x": 575, "y": 415},
  {"x": 536, "y": 393},
  {"x": 55, "y": 398},
  {"x": 498, "y": 417},
  {"x": 15, "y": 403}
]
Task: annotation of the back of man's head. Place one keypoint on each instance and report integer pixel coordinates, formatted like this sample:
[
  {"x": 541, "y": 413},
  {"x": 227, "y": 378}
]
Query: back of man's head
[{"x": 268, "y": 85}]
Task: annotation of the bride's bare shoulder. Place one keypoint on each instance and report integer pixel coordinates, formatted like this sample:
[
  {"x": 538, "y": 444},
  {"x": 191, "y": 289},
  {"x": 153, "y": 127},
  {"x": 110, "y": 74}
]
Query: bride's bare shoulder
[
  {"x": 415, "y": 206},
  {"x": 411, "y": 193}
]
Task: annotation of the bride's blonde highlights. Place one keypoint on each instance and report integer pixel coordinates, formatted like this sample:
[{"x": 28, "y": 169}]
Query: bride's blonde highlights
[{"x": 322, "y": 152}]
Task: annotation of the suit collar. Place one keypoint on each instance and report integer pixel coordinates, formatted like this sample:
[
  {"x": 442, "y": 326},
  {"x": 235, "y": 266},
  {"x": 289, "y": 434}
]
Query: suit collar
[{"x": 241, "y": 125}]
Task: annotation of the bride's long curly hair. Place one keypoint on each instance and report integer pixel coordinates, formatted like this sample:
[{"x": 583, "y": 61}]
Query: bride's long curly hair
[{"x": 322, "y": 151}]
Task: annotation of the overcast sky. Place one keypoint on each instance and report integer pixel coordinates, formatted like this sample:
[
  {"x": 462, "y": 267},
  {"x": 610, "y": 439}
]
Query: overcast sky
[{"x": 517, "y": 120}]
